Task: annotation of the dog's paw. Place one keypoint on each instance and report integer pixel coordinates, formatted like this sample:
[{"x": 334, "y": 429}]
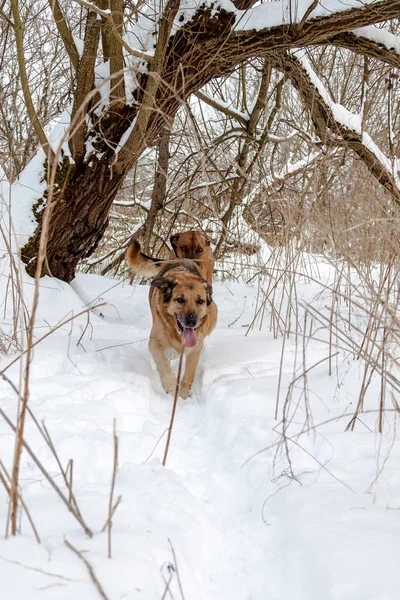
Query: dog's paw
[
  {"x": 185, "y": 391},
  {"x": 169, "y": 385}
]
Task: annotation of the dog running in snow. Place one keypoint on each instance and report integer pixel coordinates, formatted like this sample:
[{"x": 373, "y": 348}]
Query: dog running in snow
[
  {"x": 193, "y": 245},
  {"x": 184, "y": 314}
]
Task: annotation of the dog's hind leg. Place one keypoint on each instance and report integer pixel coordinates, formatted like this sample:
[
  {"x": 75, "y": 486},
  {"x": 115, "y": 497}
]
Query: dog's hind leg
[{"x": 167, "y": 375}]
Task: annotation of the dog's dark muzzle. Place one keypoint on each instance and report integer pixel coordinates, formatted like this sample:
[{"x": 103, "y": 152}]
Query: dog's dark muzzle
[{"x": 191, "y": 320}]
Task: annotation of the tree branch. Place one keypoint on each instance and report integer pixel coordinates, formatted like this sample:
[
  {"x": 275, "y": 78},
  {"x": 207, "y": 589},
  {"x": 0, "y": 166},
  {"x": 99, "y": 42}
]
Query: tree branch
[
  {"x": 137, "y": 140},
  {"x": 326, "y": 124},
  {"x": 233, "y": 113},
  {"x": 316, "y": 30},
  {"x": 65, "y": 33},
  {"x": 107, "y": 16},
  {"x": 84, "y": 85},
  {"x": 19, "y": 34},
  {"x": 241, "y": 159},
  {"x": 114, "y": 25},
  {"x": 365, "y": 46}
]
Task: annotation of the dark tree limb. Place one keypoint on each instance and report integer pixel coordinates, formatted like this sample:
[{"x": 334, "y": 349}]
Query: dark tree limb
[
  {"x": 65, "y": 33},
  {"x": 159, "y": 189},
  {"x": 364, "y": 46},
  {"x": 117, "y": 94},
  {"x": 84, "y": 85},
  {"x": 241, "y": 160}
]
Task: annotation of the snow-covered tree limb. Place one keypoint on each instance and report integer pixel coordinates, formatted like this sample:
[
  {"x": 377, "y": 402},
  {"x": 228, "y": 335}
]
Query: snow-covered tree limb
[
  {"x": 258, "y": 30},
  {"x": 334, "y": 124},
  {"x": 223, "y": 107},
  {"x": 84, "y": 85},
  {"x": 358, "y": 43}
]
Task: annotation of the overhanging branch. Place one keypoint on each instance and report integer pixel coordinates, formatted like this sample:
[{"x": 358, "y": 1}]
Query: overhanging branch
[
  {"x": 367, "y": 47},
  {"x": 328, "y": 126}
]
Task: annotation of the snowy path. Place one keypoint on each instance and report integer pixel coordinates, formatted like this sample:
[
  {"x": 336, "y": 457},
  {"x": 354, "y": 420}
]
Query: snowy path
[{"x": 239, "y": 531}]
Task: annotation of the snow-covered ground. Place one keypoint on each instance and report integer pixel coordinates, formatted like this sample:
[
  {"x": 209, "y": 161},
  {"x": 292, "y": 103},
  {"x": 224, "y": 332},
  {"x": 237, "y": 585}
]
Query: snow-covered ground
[{"x": 230, "y": 517}]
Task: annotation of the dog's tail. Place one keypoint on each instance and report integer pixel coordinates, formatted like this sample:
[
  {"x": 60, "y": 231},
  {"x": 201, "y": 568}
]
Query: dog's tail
[{"x": 140, "y": 263}]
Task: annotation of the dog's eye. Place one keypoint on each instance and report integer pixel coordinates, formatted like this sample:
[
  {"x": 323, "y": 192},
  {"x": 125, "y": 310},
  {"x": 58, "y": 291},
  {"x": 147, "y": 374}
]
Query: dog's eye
[
  {"x": 199, "y": 249},
  {"x": 200, "y": 301},
  {"x": 184, "y": 248},
  {"x": 180, "y": 300}
]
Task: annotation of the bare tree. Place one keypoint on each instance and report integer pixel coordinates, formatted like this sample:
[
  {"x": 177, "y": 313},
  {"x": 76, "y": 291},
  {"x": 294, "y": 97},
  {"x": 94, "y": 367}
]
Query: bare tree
[{"x": 109, "y": 133}]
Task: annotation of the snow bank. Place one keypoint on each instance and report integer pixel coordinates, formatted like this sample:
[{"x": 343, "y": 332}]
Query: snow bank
[{"x": 228, "y": 515}]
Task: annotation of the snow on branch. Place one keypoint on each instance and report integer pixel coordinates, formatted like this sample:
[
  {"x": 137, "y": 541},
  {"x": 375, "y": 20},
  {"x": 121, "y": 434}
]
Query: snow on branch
[
  {"x": 277, "y": 14},
  {"x": 380, "y": 36},
  {"x": 340, "y": 113},
  {"x": 291, "y": 169},
  {"x": 363, "y": 41},
  {"x": 332, "y": 120},
  {"x": 224, "y": 107}
]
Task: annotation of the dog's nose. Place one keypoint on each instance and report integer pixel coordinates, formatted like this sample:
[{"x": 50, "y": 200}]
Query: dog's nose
[{"x": 190, "y": 320}]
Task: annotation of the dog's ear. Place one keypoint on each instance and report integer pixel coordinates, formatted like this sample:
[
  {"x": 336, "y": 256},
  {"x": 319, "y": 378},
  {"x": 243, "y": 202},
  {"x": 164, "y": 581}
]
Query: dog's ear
[
  {"x": 165, "y": 286},
  {"x": 174, "y": 239},
  {"x": 209, "y": 293}
]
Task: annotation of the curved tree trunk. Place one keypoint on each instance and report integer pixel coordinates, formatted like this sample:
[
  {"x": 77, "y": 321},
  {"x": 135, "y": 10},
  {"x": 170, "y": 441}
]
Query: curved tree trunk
[{"x": 79, "y": 218}]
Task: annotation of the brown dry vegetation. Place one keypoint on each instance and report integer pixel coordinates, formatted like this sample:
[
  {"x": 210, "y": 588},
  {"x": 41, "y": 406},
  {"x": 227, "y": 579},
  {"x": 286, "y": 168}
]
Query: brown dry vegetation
[{"x": 222, "y": 156}]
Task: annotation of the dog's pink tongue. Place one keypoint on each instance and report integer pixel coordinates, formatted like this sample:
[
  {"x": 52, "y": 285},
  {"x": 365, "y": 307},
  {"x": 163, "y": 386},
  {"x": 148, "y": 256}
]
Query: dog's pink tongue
[{"x": 189, "y": 337}]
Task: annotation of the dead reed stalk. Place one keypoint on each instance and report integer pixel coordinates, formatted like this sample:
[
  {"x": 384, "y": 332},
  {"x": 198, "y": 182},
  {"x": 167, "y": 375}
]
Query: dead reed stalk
[{"x": 171, "y": 423}]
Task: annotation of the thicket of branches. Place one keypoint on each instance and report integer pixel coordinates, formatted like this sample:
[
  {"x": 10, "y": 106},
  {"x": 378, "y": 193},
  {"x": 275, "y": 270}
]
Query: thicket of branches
[{"x": 291, "y": 131}]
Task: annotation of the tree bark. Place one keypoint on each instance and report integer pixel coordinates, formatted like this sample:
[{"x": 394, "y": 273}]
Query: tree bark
[
  {"x": 79, "y": 217},
  {"x": 159, "y": 189}
]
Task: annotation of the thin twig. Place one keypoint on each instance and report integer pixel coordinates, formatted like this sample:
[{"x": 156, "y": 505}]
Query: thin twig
[
  {"x": 49, "y": 478},
  {"x": 176, "y": 569},
  {"x": 89, "y": 568},
  {"x": 114, "y": 475},
  {"x": 70, "y": 468},
  {"x": 114, "y": 508},
  {"x": 23, "y": 504},
  {"x": 171, "y": 423}
]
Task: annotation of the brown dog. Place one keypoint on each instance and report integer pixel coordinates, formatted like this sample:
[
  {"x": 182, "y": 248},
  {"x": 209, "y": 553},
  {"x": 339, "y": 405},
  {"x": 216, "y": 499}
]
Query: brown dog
[
  {"x": 194, "y": 245},
  {"x": 184, "y": 314}
]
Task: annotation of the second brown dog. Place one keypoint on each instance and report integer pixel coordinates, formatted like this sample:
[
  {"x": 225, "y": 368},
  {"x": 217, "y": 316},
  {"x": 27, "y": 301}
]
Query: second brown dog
[{"x": 193, "y": 245}]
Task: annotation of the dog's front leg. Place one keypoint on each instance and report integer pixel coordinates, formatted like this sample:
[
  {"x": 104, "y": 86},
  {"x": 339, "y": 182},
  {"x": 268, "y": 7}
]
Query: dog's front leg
[
  {"x": 167, "y": 375},
  {"x": 192, "y": 360}
]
